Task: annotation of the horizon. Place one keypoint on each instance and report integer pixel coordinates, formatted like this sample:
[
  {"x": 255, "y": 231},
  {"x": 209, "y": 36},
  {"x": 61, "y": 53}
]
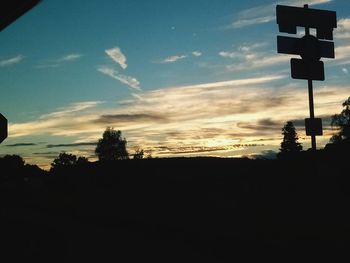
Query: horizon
[{"x": 177, "y": 78}]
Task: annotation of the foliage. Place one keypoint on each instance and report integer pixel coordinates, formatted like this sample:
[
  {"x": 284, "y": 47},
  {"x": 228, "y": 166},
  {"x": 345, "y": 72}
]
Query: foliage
[
  {"x": 82, "y": 160},
  {"x": 12, "y": 161},
  {"x": 342, "y": 121},
  {"x": 64, "y": 160},
  {"x": 111, "y": 146},
  {"x": 289, "y": 144},
  {"x": 138, "y": 154}
]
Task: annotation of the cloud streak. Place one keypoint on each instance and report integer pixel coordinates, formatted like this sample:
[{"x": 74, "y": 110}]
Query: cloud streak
[
  {"x": 249, "y": 57},
  {"x": 11, "y": 61},
  {"x": 173, "y": 59},
  {"x": 127, "y": 80},
  {"x": 70, "y": 57},
  {"x": 264, "y": 14}
]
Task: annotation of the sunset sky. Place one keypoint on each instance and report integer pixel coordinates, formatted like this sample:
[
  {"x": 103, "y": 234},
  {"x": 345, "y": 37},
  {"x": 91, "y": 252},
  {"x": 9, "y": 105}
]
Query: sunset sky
[{"x": 177, "y": 77}]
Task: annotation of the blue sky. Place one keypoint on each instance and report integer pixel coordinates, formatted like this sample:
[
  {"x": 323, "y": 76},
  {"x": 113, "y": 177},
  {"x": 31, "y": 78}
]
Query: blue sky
[{"x": 177, "y": 77}]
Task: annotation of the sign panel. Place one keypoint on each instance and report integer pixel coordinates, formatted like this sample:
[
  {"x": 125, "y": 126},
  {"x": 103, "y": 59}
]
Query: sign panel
[
  {"x": 313, "y": 127},
  {"x": 293, "y": 46},
  {"x": 309, "y": 70},
  {"x": 289, "y": 18},
  {"x": 3, "y": 128}
]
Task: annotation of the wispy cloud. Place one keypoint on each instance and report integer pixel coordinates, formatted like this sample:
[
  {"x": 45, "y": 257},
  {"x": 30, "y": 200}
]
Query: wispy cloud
[
  {"x": 117, "y": 55},
  {"x": 69, "y": 57},
  {"x": 11, "y": 61},
  {"x": 21, "y": 144},
  {"x": 197, "y": 53},
  {"x": 173, "y": 59},
  {"x": 264, "y": 14},
  {"x": 70, "y": 145},
  {"x": 343, "y": 29},
  {"x": 55, "y": 63},
  {"x": 127, "y": 80},
  {"x": 251, "y": 57}
]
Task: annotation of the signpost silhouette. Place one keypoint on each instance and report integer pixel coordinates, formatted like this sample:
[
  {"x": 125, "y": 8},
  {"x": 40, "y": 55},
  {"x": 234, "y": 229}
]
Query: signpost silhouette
[
  {"x": 9, "y": 11},
  {"x": 310, "y": 48}
]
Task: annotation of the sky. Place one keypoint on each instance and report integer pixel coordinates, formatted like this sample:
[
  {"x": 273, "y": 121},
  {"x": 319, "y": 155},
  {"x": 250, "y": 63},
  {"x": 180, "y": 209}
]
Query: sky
[{"x": 177, "y": 77}]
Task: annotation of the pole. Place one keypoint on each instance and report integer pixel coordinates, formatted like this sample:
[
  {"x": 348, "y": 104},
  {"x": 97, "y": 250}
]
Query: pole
[{"x": 311, "y": 97}]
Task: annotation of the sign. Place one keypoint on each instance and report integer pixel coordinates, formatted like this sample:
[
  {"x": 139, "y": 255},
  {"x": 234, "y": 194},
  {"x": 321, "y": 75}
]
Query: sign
[
  {"x": 294, "y": 46},
  {"x": 310, "y": 48},
  {"x": 289, "y": 18},
  {"x": 10, "y": 10},
  {"x": 3, "y": 128},
  {"x": 313, "y": 127},
  {"x": 308, "y": 70}
]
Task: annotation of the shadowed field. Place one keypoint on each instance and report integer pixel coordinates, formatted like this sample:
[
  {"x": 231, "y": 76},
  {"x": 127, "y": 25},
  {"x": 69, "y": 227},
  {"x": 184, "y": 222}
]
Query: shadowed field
[{"x": 172, "y": 210}]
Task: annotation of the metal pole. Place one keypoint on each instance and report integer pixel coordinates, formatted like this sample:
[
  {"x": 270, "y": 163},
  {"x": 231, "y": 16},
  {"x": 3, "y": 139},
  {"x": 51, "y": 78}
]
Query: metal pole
[{"x": 311, "y": 96}]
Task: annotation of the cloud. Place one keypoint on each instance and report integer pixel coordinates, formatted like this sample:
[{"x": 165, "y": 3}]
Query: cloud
[
  {"x": 69, "y": 57},
  {"x": 21, "y": 144},
  {"x": 343, "y": 29},
  {"x": 127, "y": 118},
  {"x": 345, "y": 70},
  {"x": 227, "y": 54},
  {"x": 59, "y": 62},
  {"x": 218, "y": 119},
  {"x": 247, "y": 57},
  {"x": 173, "y": 59},
  {"x": 264, "y": 14},
  {"x": 11, "y": 61},
  {"x": 117, "y": 55},
  {"x": 70, "y": 145},
  {"x": 253, "y": 21},
  {"x": 342, "y": 55},
  {"x": 197, "y": 53},
  {"x": 64, "y": 121},
  {"x": 127, "y": 80}
]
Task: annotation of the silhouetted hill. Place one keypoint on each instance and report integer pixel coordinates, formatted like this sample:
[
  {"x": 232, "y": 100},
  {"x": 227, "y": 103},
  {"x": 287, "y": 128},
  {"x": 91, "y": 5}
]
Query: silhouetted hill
[{"x": 183, "y": 209}]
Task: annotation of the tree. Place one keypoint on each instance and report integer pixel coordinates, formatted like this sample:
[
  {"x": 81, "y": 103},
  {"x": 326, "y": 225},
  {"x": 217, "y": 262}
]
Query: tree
[
  {"x": 290, "y": 144},
  {"x": 342, "y": 121},
  {"x": 82, "y": 160},
  {"x": 138, "y": 154},
  {"x": 112, "y": 146},
  {"x": 64, "y": 160}
]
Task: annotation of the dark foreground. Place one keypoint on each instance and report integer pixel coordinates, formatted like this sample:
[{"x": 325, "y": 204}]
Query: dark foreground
[{"x": 181, "y": 210}]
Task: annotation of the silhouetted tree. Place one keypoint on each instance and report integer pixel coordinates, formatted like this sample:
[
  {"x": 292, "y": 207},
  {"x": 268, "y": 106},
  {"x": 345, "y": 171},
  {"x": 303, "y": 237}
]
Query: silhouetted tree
[
  {"x": 82, "y": 160},
  {"x": 342, "y": 121},
  {"x": 289, "y": 144},
  {"x": 11, "y": 167},
  {"x": 64, "y": 160},
  {"x": 13, "y": 161},
  {"x": 112, "y": 146},
  {"x": 138, "y": 154}
]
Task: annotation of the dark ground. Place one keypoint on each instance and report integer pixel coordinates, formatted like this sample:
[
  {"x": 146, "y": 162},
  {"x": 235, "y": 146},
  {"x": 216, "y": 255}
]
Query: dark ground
[{"x": 181, "y": 210}]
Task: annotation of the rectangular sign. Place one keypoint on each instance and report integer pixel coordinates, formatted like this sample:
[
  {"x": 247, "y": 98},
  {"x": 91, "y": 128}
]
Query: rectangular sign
[
  {"x": 307, "y": 70},
  {"x": 289, "y": 18},
  {"x": 291, "y": 45},
  {"x": 313, "y": 127}
]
